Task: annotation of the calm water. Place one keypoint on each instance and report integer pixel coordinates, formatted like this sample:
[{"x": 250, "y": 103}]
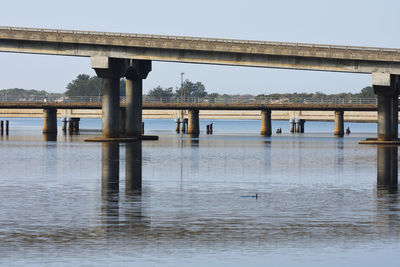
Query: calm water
[{"x": 318, "y": 201}]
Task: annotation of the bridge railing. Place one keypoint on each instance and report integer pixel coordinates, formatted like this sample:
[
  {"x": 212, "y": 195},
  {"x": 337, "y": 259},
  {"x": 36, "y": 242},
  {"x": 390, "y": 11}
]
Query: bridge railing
[
  {"x": 193, "y": 100},
  {"x": 189, "y": 38}
]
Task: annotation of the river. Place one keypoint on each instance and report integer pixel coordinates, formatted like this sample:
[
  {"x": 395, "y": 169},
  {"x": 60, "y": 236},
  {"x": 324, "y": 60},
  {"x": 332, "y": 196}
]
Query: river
[{"x": 232, "y": 198}]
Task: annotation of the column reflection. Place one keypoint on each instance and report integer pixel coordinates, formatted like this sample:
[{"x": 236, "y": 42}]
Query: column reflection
[
  {"x": 110, "y": 185},
  {"x": 194, "y": 142},
  {"x": 387, "y": 166},
  {"x": 133, "y": 168},
  {"x": 339, "y": 158},
  {"x": 122, "y": 216}
]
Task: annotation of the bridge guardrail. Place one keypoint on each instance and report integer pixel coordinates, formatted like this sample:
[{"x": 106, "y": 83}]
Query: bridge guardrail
[{"x": 191, "y": 100}]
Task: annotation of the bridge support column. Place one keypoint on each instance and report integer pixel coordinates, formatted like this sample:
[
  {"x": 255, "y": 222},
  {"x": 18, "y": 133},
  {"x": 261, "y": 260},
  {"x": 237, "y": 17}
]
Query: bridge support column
[
  {"x": 387, "y": 117},
  {"x": 50, "y": 120},
  {"x": 110, "y": 107},
  {"x": 386, "y": 86},
  {"x": 110, "y": 70},
  {"x": 137, "y": 71},
  {"x": 122, "y": 120},
  {"x": 193, "y": 122},
  {"x": 339, "y": 123},
  {"x": 266, "y": 126}
]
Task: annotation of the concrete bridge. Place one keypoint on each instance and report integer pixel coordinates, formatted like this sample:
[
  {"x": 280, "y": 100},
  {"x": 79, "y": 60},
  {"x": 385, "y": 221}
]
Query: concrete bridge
[
  {"x": 17, "y": 108},
  {"x": 116, "y": 55}
]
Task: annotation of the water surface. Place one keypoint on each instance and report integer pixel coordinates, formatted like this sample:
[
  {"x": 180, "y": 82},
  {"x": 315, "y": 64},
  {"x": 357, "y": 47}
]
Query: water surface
[{"x": 317, "y": 202}]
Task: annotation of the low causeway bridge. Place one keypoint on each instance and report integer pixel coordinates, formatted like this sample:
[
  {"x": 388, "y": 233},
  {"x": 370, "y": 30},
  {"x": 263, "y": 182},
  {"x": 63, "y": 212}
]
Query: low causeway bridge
[
  {"x": 194, "y": 105},
  {"x": 117, "y": 55}
]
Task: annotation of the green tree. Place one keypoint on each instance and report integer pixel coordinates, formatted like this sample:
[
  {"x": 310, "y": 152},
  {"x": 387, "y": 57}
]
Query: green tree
[
  {"x": 159, "y": 92},
  {"x": 190, "y": 89},
  {"x": 86, "y": 85},
  {"x": 367, "y": 92}
]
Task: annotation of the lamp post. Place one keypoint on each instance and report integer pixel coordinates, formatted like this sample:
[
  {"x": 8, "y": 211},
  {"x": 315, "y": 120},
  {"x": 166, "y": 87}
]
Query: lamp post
[{"x": 182, "y": 95}]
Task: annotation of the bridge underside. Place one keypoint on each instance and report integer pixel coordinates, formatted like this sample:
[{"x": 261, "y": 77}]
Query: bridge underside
[{"x": 308, "y": 62}]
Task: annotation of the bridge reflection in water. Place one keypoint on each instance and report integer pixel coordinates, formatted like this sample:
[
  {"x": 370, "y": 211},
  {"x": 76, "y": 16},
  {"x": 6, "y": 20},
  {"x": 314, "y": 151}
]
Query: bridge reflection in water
[
  {"x": 110, "y": 178},
  {"x": 387, "y": 166},
  {"x": 126, "y": 215}
]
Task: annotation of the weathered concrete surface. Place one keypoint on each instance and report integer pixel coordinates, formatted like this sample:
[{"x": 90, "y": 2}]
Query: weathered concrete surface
[
  {"x": 193, "y": 122},
  {"x": 200, "y": 50},
  {"x": 387, "y": 87},
  {"x": 339, "y": 123},
  {"x": 110, "y": 107},
  {"x": 266, "y": 126},
  {"x": 110, "y": 73},
  {"x": 50, "y": 120},
  {"x": 136, "y": 72}
]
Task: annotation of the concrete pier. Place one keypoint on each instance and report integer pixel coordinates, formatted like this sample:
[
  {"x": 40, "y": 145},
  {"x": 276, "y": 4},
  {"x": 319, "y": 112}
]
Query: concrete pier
[
  {"x": 302, "y": 127},
  {"x": 64, "y": 124},
  {"x": 339, "y": 123},
  {"x": 387, "y": 117},
  {"x": 137, "y": 71},
  {"x": 177, "y": 125},
  {"x": 50, "y": 120},
  {"x": 193, "y": 122},
  {"x": 50, "y": 137},
  {"x": 266, "y": 126},
  {"x": 134, "y": 92},
  {"x": 387, "y": 165},
  {"x": 183, "y": 125},
  {"x": 297, "y": 125},
  {"x": 110, "y": 70},
  {"x": 70, "y": 125},
  {"x": 133, "y": 167},
  {"x": 292, "y": 125},
  {"x": 110, "y": 107},
  {"x": 122, "y": 120},
  {"x": 386, "y": 86}
]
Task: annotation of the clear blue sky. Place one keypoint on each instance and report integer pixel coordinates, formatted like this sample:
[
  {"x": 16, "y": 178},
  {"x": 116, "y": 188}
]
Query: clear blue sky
[{"x": 351, "y": 22}]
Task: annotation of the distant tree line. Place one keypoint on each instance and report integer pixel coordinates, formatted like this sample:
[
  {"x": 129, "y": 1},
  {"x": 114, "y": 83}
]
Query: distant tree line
[
  {"x": 86, "y": 85},
  {"x": 18, "y": 93}
]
